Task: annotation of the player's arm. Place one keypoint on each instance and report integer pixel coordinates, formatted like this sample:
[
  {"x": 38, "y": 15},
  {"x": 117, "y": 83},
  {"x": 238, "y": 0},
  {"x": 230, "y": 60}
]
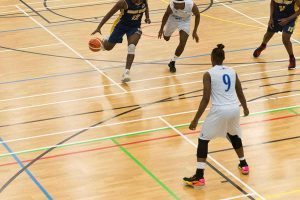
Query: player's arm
[
  {"x": 297, "y": 13},
  {"x": 147, "y": 20},
  {"x": 121, "y": 4},
  {"x": 272, "y": 7},
  {"x": 196, "y": 12},
  {"x": 241, "y": 96},
  {"x": 164, "y": 21},
  {"x": 204, "y": 102}
]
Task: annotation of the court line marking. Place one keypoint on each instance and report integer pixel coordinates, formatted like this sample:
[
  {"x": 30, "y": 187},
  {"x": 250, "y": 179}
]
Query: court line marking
[
  {"x": 30, "y": 3},
  {"x": 108, "y": 95},
  {"x": 31, "y": 176},
  {"x": 132, "y": 121},
  {"x": 141, "y": 80},
  {"x": 70, "y": 48},
  {"x": 251, "y": 18},
  {"x": 32, "y": 47},
  {"x": 160, "y": 138},
  {"x": 134, "y": 159},
  {"x": 280, "y": 194},
  {"x": 238, "y": 197},
  {"x": 212, "y": 159},
  {"x": 119, "y": 135}
]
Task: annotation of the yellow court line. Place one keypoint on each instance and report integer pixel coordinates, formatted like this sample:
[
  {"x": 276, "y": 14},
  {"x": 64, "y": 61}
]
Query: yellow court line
[
  {"x": 280, "y": 194},
  {"x": 224, "y": 20}
]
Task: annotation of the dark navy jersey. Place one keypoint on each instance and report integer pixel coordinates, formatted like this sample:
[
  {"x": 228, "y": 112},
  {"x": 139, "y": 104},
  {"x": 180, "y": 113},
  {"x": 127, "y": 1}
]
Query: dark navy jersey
[
  {"x": 134, "y": 13},
  {"x": 284, "y": 8}
]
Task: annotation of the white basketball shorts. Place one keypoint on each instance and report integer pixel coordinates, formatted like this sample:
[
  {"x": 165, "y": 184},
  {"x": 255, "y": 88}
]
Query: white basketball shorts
[
  {"x": 220, "y": 121},
  {"x": 174, "y": 23}
]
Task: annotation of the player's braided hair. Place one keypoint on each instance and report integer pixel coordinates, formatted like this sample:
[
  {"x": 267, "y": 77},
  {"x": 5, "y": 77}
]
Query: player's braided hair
[{"x": 218, "y": 53}]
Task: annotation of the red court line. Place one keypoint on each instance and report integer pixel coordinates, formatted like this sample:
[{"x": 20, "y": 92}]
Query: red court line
[{"x": 140, "y": 141}]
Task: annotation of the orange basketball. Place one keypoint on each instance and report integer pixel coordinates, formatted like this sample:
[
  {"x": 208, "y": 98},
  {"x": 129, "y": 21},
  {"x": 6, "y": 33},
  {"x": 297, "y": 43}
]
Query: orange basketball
[{"x": 95, "y": 44}]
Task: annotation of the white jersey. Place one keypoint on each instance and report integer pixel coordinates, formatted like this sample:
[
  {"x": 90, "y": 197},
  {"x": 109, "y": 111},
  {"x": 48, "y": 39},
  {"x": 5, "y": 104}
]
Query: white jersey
[
  {"x": 184, "y": 14},
  {"x": 223, "y": 81}
]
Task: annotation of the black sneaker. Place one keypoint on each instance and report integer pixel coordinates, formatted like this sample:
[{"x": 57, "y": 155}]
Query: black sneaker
[
  {"x": 292, "y": 64},
  {"x": 194, "y": 181},
  {"x": 172, "y": 67}
]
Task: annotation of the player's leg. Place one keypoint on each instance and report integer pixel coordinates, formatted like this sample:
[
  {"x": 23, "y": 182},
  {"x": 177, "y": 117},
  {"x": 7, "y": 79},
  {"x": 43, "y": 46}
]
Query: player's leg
[
  {"x": 169, "y": 28},
  {"x": 116, "y": 36},
  {"x": 132, "y": 43},
  {"x": 237, "y": 144},
  {"x": 106, "y": 45},
  {"x": 267, "y": 37},
  {"x": 180, "y": 48},
  {"x": 198, "y": 179},
  {"x": 286, "y": 39}
]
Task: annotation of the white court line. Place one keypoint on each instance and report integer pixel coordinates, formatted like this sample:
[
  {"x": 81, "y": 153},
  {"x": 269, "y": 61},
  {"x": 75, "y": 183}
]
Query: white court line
[
  {"x": 212, "y": 159},
  {"x": 136, "y": 120},
  {"x": 32, "y": 47},
  {"x": 238, "y": 197},
  {"x": 142, "y": 80},
  {"x": 251, "y": 18},
  {"x": 13, "y": 5},
  {"x": 107, "y": 95},
  {"x": 69, "y": 47},
  {"x": 58, "y": 7}
]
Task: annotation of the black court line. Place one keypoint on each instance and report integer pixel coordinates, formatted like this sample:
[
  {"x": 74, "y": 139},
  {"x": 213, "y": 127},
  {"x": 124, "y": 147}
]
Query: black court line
[{"x": 36, "y": 12}]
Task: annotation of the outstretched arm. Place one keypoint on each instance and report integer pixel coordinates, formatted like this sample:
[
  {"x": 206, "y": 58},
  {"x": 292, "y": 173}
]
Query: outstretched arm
[
  {"x": 197, "y": 21},
  {"x": 204, "y": 102},
  {"x": 241, "y": 96},
  {"x": 118, "y": 6},
  {"x": 164, "y": 21}
]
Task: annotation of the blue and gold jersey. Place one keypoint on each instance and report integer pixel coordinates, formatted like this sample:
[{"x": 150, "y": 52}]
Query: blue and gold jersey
[
  {"x": 134, "y": 13},
  {"x": 284, "y": 8}
]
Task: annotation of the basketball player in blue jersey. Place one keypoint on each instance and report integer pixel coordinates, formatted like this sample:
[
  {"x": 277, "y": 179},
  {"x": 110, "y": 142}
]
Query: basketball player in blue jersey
[
  {"x": 129, "y": 23},
  {"x": 223, "y": 87},
  {"x": 178, "y": 16},
  {"x": 283, "y": 17}
]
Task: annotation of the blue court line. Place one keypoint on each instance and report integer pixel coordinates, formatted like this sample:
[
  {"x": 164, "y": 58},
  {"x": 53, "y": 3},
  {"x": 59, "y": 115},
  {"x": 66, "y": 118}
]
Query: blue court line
[
  {"x": 87, "y": 71},
  {"x": 26, "y": 170}
]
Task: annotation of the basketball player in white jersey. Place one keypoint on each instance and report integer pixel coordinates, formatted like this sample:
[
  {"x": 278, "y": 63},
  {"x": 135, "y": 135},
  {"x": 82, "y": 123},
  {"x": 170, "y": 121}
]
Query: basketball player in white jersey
[
  {"x": 178, "y": 16},
  {"x": 223, "y": 86}
]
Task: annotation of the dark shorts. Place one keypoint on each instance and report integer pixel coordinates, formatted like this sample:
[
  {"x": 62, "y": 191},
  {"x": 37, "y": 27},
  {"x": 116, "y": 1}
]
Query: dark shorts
[
  {"x": 120, "y": 30},
  {"x": 288, "y": 28}
]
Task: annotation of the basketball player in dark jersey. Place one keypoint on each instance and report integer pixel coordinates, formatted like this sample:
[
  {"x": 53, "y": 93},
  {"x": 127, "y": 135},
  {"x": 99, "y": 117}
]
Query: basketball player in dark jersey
[
  {"x": 282, "y": 18},
  {"x": 129, "y": 23}
]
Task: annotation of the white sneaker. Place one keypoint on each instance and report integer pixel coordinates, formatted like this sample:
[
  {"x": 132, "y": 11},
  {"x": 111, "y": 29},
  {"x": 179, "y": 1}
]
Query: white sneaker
[{"x": 125, "y": 77}]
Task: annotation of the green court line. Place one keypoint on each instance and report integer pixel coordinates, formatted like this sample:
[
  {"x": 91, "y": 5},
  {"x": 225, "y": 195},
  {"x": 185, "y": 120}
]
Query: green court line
[
  {"x": 293, "y": 111},
  {"x": 130, "y": 134},
  {"x": 146, "y": 170}
]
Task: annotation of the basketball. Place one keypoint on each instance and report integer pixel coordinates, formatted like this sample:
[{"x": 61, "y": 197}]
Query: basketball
[{"x": 95, "y": 44}]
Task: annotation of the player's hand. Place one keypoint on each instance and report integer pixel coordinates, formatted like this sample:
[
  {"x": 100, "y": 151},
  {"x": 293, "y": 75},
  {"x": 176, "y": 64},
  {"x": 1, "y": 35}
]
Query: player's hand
[
  {"x": 271, "y": 23},
  {"x": 98, "y": 30},
  {"x": 160, "y": 33},
  {"x": 193, "y": 125},
  {"x": 195, "y": 36},
  {"x": 246, "y": 112},
  {"x": 283, "y": 22},
  {"x": 148, "y": 21}
]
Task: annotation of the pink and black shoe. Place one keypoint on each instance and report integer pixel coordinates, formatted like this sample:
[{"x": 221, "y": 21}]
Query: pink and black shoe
[
  {"x": 194, "y": 182},
  {"x": 244, "y": 170}
]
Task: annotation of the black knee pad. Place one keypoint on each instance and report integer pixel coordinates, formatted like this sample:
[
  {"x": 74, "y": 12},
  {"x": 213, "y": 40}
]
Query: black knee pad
[
  {"x": 202, "y": 149},
  {"x": 235, "y": 141}
]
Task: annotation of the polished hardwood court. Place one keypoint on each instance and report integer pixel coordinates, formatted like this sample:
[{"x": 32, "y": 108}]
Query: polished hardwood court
[{"x": 69, "y": 129}]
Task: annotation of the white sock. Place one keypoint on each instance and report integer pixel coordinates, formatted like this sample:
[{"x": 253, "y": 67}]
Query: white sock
[
  {"x": 201, "y": 165},
  {"x": 102, "y": 46},
  {"x": 127, "y": 71},
  {"x": 174, "y": 58},
  {"x": 242, "y": 158}
]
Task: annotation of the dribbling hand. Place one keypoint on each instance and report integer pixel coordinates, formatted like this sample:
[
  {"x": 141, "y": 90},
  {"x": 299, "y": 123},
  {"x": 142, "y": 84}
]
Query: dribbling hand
[
  {"x": 195, "y": 36},
  {"x": 193, "y": 125},
  {"x": 160, "y": 33},
  {"x": 98, "y": 30}
]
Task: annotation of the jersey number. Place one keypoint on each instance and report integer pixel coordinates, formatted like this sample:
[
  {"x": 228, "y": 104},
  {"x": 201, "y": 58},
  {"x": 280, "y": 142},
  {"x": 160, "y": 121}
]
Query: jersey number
[
  {"x": 227, "y": 81},
  {"x": 281, "y": 8},
  {"x": 136, "y": 17}
]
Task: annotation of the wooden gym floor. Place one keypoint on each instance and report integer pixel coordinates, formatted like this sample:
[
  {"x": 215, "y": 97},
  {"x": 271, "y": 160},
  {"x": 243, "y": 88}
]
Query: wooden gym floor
[{"x": 70, "y": 130}]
